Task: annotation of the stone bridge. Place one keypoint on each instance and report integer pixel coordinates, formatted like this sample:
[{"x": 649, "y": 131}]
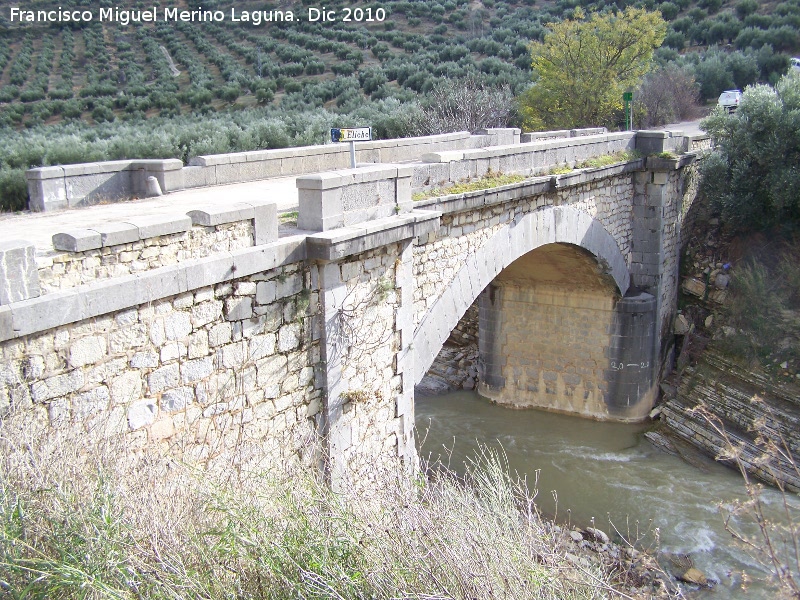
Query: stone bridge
[{"x": 216, "y": 331}]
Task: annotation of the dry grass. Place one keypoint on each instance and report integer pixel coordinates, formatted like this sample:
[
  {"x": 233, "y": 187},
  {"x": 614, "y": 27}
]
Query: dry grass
[
  {"x": 83, "y": 518},
  {"x": 770, "y": 534}
]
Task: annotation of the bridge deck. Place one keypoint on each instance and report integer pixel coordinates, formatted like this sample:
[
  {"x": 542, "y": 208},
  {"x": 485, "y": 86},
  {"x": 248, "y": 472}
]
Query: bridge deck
[{"x": 39, "y": 228}]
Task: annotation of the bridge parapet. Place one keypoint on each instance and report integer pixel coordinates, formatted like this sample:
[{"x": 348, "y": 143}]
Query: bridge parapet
[
  {"x": 340, "y": 198},
  {"x": 560, "y": 133},
  {"x": 530, "y": 158},
  {"x": 57, "y": 187},
  {"x": 141, "y": 244}
]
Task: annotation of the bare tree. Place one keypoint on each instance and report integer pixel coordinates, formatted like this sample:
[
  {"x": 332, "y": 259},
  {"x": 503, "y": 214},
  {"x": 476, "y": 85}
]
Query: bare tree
[
  {"x": 668, "y": 95},
  {"x": 465, "y": 105}
]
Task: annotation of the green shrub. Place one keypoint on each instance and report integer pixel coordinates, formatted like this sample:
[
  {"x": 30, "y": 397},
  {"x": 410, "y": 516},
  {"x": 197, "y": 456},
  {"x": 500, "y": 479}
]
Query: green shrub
[
  {"x": 752, "y": 177},
  {"x": 13, "y": 190},
  {"x": 713, "y": 76},
  {"x": 669, "y": 10},
  {"x": 8, "y": 93},
  {"x": 745, "y": 8}
]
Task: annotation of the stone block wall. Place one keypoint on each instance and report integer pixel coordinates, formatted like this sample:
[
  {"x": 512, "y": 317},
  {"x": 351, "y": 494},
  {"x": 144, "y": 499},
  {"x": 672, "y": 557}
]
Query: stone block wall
[
  {"x": 298, "y": 349},
  {"x": 63, "y": 270},
  {"x": 609, "y": 200},
  {"x": 572, "y": 348},
  {"x": 546, "y": 347},
  {"x": 342, "y": 198},
  {"x": 700, "y": 143},
  {"x": 221, "y": 367},
  {"x": 367, "y": 337},
  {"x": 141, "y": 244},
  {"x": 663, "y": 195},
  {"x": 437, "y": 261}
]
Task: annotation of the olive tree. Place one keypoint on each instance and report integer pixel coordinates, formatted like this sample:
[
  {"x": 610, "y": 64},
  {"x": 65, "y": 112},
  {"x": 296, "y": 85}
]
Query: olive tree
[{"x": 752, "y": 177}]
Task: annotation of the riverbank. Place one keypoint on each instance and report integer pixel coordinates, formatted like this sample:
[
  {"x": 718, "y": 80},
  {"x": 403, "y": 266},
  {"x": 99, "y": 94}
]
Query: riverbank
[
  {"x": 83, "y": 518},
  {"x": 736, "y": 385}
]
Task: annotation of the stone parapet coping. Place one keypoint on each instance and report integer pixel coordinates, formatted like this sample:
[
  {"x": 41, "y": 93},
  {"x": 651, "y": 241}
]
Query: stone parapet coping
[
  {"x": 346, "y": 241},
  {"x": 142, "y": 228},
  {"x": 347, "y": 197},
  {"x": 361, "y": 174},
  {"x": 110, "y": 166},
  {"x": 561, "y": 133},
  {"x": 526, "y": 147},
  {"x": 34, "y": 315},
  {"x": 110, "y": 295},
  {"x": 322, "y": 149},
  {"x": 655, "y": 163}
]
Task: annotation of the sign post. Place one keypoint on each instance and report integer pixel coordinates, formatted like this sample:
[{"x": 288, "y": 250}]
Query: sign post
[
  {"x": 627, "y": 97},
  {"x": 352, "y": 135}
]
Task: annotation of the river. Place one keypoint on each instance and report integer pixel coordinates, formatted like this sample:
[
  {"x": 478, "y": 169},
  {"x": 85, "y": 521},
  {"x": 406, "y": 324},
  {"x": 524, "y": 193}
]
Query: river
[{"x": 599, "y": 471}]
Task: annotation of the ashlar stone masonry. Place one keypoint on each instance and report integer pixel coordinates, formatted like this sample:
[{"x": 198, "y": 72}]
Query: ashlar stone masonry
[{"x": 208, "y": 335}]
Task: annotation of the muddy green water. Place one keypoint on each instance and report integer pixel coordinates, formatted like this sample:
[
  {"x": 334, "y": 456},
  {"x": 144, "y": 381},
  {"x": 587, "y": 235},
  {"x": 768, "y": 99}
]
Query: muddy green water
[{"x": 600, "y": 471}]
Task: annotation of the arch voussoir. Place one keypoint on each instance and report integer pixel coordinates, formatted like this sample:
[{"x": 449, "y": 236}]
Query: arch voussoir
[{"x": 549, "y": 225}]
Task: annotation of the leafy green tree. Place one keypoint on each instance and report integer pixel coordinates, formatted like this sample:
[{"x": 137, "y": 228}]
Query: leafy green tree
[
  {"x": 752, "y": 177},
  {"x": 583, "y": 66}
]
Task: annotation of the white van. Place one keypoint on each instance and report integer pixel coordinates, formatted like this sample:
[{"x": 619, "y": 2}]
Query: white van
[{"x": 729, "y": 100}]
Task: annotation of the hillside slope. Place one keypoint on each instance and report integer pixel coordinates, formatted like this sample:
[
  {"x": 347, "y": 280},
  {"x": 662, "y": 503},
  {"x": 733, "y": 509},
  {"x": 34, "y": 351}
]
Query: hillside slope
[{"x": 102, "y": 70}]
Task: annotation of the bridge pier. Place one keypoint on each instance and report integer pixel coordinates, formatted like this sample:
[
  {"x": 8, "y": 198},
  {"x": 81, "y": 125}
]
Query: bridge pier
[
  {"x": 365, "y": 337},
  {"x": 662, "y": 193},
  {"x": 574, "y": 346},
  {"x": 365, "y": 277}
]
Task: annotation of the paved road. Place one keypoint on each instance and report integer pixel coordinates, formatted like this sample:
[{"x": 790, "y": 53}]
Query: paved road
[
  {"x": 687, "y": 127},
  {"x": 39, "y": 228}
]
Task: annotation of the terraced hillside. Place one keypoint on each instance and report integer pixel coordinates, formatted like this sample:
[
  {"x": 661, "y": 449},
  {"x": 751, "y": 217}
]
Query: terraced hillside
[
  {"x": 106, "y": 70},
  {"x": 102, "y": 71}
]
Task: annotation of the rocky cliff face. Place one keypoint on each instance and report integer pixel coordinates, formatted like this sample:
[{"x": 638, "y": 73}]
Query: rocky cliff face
[
  {"x": 721, "y": 405},
  {"x": 735, "y": 392}
]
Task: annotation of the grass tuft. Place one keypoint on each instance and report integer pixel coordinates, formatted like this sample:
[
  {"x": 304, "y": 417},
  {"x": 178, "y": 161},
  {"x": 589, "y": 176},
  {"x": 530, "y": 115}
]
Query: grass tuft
[
  {"x": 489, "y": 181},
  {"x": 609, "y": 159},
  {"x": 560, "y": 170}
]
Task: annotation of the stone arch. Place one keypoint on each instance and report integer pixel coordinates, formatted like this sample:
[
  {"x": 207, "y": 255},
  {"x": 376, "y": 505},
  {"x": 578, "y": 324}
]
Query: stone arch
[{"x": 549, "y": 225}]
